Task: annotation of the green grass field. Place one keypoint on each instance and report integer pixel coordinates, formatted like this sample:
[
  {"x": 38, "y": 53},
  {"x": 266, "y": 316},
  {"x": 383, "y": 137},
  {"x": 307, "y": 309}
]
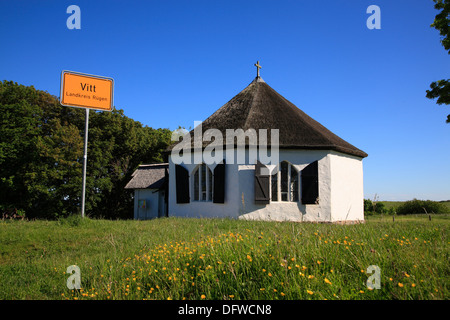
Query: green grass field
[{"x": 197, "y": 259}]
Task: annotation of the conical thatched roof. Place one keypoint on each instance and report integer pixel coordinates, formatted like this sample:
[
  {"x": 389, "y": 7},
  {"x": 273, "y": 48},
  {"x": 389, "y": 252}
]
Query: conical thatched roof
[{"x": 259, "y": 106}]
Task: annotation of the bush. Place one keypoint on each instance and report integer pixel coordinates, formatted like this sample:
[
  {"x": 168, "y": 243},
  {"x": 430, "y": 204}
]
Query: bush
[
  {"x": 371, "y": 208},
  {"x": 421, "y": 206},
  {"x": 368, "y": 205},
  {"x": 380, "y": 208}
]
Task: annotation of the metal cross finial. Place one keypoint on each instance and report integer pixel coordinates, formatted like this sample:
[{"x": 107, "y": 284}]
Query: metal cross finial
[{"x": 257, "y": 68}]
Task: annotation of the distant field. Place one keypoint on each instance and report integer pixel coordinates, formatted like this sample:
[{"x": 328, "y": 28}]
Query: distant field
[
  {"x": 396, "y": 204},
  {"x": 392, "y": 204},
  {"x": 203, "y": 259}
]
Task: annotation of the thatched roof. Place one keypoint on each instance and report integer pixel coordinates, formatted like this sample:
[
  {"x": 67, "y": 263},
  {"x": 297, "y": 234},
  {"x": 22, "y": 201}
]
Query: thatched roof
[
  {"x": 148, "y": 176},
  {"x": 259, "y": 106}
]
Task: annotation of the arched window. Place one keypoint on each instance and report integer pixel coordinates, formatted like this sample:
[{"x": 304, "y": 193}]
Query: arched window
[
  {"x": 284, "y": 183},
  {"x": 203, "y": 183}
]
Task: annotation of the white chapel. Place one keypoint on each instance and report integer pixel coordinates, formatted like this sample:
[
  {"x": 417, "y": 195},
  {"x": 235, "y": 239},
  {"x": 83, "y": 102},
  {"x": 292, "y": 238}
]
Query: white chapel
[{"x": 318, "y": 177}]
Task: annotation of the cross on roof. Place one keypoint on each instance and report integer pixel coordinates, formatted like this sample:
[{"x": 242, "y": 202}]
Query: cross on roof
[{"x": 257, "y": 68}]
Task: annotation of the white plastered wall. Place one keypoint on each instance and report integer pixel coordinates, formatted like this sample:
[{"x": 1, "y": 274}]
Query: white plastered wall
[
  {"x": 347, "y": 191},
  {"x": 202, "y": 209},
  {"x": 239, "y": 192},
  {"x": 152, "y": 201},
  {"x": 288, "y": 211}
]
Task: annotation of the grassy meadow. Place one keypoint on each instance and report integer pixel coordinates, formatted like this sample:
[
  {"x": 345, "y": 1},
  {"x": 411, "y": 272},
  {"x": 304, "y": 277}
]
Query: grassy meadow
[{"x": 223, "y": 259}]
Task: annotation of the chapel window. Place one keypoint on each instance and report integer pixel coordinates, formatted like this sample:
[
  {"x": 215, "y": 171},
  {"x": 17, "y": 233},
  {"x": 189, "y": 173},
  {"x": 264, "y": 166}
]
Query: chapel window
[
  {"x": 203, "y": 183},
  {"x": 284, "y": 183}
]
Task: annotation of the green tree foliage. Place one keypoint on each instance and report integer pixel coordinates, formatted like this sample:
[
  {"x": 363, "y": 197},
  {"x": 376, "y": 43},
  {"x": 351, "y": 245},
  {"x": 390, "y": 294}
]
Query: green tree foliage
[
  {"x": 421, "y": 206},
  {"x": 441, "y": 22},
  {"x": 441, "y": 89},
  {"x": 379, "y": 207},
  {"x": 41, "y": 155},
  {"x": 376, "y": 207},
  {"x": 368, "y": 205}
]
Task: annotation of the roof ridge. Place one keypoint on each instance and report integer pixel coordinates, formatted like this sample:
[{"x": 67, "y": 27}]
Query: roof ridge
[{"x": 154, "y": 164}]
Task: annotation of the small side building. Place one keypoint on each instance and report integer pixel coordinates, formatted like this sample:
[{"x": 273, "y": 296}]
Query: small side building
[{"x": 149, "y": 183}]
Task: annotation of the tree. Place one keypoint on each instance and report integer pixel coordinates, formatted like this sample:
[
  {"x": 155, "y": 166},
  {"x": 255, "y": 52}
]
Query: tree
[
  {"x": 20, "y": 128},
  {"x": 441, "y": 89},
  {"x": 41, "y": 156},
  {"x": 117, "y": 145},
  {"x": 54, "y": 179}
]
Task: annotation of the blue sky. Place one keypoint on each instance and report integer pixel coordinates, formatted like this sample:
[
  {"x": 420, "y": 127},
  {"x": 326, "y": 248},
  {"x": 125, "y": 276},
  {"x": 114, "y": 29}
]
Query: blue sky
[{"x": 175, "y": 62}]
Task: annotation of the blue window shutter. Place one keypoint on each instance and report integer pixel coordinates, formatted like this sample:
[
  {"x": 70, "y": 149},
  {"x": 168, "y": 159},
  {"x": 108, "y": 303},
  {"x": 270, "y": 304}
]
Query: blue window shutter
[
  {"x": 310, "y": 183},
  {"x": 182, "y": 184},
  {"x": 219, "y": 183},
  {"x": 262, "y": 185}
]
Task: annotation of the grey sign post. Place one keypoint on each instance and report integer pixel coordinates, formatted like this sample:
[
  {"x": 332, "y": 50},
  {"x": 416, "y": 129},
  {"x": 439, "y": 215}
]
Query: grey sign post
[{"x": 83, "y": 192}]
